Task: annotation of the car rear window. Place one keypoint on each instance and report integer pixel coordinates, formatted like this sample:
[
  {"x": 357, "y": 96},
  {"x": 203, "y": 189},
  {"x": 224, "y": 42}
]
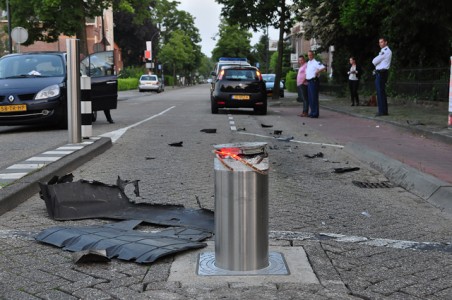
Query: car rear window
[
  {"x": 149, "y": 77},
  {"x": 240, "y": 74}
]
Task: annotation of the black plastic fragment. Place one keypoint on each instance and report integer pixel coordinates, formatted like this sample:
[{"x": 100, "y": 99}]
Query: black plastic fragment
[
  {"x": 122, "y": 241},
  {"x": 209, "y": 130},
  {"x": 90, "y": 256},
  {"x": 266, "y": 125},
  {"x": 319, "y": 154},
  {"x": 344, "y": 170},
  {"x": 93, "y": 199},
  {"x": 177, "y": 144}
]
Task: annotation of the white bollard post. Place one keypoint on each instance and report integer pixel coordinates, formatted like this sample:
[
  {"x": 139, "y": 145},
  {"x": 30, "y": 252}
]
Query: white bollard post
[{"x": 86, "y": 107}]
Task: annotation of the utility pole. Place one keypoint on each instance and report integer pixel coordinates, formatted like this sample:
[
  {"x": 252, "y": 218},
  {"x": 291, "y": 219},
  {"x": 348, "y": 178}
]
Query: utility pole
[{"x": 10, "y": 40}]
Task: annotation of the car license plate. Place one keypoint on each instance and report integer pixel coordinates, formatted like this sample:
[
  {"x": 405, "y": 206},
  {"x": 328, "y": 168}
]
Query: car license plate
[
  {"x": 241, "y": 97},
  {"x": 13, "y": 108}
]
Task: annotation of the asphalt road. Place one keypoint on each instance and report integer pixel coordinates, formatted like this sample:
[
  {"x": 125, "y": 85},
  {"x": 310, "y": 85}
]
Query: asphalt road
[{"x": 361, "y": 243}]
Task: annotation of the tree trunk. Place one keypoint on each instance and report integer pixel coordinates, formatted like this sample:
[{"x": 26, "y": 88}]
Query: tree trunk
[{"x": 282, "y": 21}]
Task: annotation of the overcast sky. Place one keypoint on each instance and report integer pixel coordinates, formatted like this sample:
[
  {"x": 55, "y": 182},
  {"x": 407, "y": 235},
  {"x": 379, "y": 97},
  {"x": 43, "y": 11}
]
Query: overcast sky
[{"x": 207, "y": 15}]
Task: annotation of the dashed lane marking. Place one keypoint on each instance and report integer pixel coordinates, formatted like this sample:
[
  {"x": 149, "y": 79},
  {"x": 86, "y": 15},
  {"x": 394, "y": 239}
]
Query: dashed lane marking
[
  {"x": 21, "y": 169},
  {"x": 234, "y": 128}
]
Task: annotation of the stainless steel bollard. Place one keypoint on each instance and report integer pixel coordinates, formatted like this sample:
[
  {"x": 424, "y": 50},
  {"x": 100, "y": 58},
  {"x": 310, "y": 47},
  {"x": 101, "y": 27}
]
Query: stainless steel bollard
[
  {"x": 73, "y": 91},
  {"x": 241, "y": 206}
]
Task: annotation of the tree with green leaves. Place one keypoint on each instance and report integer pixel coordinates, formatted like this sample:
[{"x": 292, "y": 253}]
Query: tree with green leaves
[
  {"x": 419, "y": 32},
  {"x": 164, "y": 18},
  {"x": 233, "y": 41},
  {"x": 262, "y": 54},
  {"x": 177, "y": 52},
  {"x": 258, "y": 15},
  {"x": 51, "y": 18}
]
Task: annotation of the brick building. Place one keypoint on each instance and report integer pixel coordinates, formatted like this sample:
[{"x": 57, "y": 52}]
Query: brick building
[{"x": 97, "y": 29}]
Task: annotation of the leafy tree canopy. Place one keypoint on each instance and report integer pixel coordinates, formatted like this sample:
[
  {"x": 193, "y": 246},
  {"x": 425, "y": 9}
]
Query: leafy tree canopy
[
  {"x": 232, "y": 42},
  {"x": 260, "y": 14}
]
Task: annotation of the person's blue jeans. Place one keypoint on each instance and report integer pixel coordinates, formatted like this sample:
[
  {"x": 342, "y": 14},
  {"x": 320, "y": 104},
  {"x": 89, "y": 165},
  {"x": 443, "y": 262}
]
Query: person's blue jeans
[
  {"x": 380, "y": 84},
  {"x": 313, "y": 96},
  {"x": 302, "y": 90}
]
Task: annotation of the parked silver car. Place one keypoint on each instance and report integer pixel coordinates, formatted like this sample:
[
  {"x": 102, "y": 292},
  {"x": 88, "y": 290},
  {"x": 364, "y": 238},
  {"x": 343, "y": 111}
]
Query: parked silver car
[{"x": 150, "y": 83}]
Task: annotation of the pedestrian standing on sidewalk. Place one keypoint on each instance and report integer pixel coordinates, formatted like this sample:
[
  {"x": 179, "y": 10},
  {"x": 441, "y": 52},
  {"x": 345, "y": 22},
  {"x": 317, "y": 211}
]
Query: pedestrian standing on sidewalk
[
  {"x": 353, "y": 81},
  {"x": 313, "y": 70},
  {"x": 382, "y": 63},
  {"x": 302, "y": 85}
]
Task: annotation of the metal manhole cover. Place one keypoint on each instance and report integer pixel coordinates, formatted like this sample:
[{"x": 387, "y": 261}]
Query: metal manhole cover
[{"x": 373, "y": 185}]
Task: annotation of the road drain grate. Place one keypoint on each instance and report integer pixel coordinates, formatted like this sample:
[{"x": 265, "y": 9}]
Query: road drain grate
[{"x": 373, "y": 185}]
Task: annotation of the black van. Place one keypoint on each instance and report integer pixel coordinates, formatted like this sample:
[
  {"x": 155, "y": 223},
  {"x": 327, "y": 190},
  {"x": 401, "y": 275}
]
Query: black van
[{"x": 33, "y": 86}]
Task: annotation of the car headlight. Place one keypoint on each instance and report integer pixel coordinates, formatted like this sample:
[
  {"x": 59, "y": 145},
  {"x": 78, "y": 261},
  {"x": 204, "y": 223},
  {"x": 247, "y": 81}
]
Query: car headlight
[{"x": 48, "y": 92}]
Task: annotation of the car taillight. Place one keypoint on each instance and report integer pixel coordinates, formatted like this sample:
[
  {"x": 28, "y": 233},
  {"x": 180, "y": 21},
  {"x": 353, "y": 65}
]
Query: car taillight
[
  {"x": 259, "y": 75},
  {"x": 220, "y": 76}
]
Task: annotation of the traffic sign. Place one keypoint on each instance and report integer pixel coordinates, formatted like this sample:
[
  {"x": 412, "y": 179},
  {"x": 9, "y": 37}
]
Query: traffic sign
[{"x": 19, "y": 35}]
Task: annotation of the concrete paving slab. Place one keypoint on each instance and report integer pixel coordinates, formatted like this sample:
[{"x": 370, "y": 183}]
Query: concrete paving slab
[{"x": 184, "y": 270}]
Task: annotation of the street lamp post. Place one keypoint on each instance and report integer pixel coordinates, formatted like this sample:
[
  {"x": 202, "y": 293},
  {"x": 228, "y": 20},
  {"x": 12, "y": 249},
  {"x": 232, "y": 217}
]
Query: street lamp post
[{"x": 10, "y": 40}]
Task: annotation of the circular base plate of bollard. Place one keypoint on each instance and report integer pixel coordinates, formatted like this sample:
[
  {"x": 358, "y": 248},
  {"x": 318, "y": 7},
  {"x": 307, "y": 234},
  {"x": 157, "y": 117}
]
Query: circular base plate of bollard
[{"x": 276, "y": 266}]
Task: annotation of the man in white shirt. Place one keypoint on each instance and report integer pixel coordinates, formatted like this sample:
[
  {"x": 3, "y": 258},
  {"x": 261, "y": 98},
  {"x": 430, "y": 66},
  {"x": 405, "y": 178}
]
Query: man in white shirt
[
  {"x": 382, "y": 63},
  {"x": 312, "y": 76}
]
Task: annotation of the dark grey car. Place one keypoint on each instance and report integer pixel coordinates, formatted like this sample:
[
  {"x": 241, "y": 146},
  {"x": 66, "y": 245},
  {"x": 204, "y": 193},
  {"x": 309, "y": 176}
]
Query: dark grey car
[
  {"x": 33, "y": 86},
  {"x": 239, "y": 87}
]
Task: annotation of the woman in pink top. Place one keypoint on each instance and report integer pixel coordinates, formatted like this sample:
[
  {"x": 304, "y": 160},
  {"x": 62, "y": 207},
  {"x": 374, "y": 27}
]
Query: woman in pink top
[{"x": 302, "y": 86}]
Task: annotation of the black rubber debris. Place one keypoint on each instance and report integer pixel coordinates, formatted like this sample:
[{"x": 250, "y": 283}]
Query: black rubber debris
[
  {"x": 211, "y": 130},
  {"x": 266, "y": 125},
  {"x": 319, "y": 154},
  {"x": 90, "y": 256},
  {"x": 277, "y": 132},
  {"x": 122, "y": 241},
  {"x": 345, "y": 170},
  {"x": 178, "y": 144},
  {"x": 93, "y": 199}
]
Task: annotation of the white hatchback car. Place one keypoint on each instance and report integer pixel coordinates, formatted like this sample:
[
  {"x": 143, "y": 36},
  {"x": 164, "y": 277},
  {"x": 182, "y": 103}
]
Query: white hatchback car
[{"x": 150, "y": 83}]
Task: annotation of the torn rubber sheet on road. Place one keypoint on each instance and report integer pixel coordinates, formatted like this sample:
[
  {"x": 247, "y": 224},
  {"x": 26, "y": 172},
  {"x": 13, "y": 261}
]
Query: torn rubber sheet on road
[
  {"x": 122, "y": 241},
  {"x": 67, "y": 200}
]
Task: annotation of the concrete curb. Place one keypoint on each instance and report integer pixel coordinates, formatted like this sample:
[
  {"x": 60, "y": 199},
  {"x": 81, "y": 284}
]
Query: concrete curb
[
  {"x": 431, "y": 189},
  {"x": 24, "y": 188}
]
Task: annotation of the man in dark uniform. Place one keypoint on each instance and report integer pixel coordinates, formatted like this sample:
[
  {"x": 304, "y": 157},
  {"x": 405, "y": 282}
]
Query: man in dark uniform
[{"x": 382, "y": 63}]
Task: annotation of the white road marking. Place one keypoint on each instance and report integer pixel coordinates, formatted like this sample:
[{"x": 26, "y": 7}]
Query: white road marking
[
  {"x": 115, "y": 135},
  {"x": 292, "y": 141}
]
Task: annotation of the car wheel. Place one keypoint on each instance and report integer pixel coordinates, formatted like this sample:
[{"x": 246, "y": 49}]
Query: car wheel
[
  {"x": 94, "y": 116},
  {"x": 140, "y": 90},
  {"x": 159, "y": 91},
  {"x": 214, "y": 107}
]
